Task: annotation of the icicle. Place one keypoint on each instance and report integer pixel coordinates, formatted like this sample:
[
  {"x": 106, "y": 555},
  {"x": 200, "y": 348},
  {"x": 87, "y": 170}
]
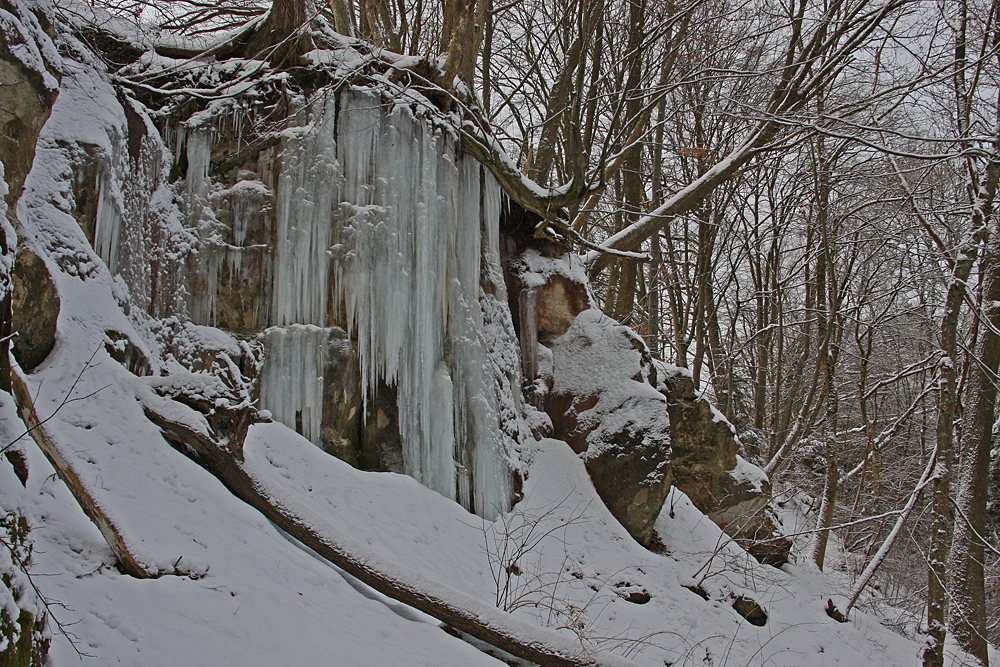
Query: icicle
[
  {"x": 199, "y": 155},
  {"x": 304, "y": 216},
  {"x": 291, "y": 382},
  {"x": 408, "y": 271},
  {"x": 108, "y": 223}
]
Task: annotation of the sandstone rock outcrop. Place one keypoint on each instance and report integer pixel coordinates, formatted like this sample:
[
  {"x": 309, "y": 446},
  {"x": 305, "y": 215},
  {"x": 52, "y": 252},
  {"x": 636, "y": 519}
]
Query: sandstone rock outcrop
[
  {"x": 36, "y": 309},
  {"x": 604, "y": 404},
  {"x": 706, "y": 467},
  {"x": 637, "y": 423},
  {"x": 340, "y": 432}
]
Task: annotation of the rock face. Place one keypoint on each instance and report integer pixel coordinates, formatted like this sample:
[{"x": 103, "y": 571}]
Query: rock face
[
  {"x": 603, "y": 403},
  {"x": 706, "y": 467},
  {"x": 340, "y": 431},
  {"x": 381, "y": 444},
  {"x": 36, "y": 309},
  {"x": 29, "y": 84},
  {"x": 546, "y": 292}
]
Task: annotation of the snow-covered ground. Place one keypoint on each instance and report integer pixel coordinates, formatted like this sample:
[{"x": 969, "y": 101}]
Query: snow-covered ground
[{"x": 256, "y": 597}]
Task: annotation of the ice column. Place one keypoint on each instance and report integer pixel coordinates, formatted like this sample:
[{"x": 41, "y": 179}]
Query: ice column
[
  {"x": 291, "y": 382},
  {"x": 408, "y": 271},
  {"x": 292, "y": 377},
  {"x": 109, "y": 220},
  {"x": 200, "y": 216},
  {"x": 304, "y": 214}
]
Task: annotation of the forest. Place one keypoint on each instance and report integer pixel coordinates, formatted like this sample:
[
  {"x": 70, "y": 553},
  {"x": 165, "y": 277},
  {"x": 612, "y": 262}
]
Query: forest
[{"x": 787, "y": 203}]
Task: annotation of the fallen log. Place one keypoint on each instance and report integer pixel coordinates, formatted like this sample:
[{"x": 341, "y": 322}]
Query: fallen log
[
  {"x": 225, "y": 460},
  {"x": 128, "y": 562}
]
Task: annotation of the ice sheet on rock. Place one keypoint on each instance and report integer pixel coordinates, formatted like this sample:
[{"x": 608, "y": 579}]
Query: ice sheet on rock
[
  {"x": 291, "y": 381},
  {"x": 408, "y": 270}
]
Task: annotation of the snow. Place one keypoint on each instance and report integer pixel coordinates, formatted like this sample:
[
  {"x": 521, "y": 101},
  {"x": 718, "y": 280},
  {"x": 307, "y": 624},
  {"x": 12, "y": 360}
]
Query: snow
[
  {"x": 749, "y": 474},
  {"x": 536, "y": 269},
  {"x": 599, "y": 357}
]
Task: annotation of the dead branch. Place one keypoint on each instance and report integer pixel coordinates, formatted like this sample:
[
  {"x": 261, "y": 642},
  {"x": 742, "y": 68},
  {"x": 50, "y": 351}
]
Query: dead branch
[{"x": 112, "y": 533}]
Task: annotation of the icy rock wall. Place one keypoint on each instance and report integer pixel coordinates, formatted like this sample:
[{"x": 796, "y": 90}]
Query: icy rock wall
[
  {"x": 408, "y": 266},
  {"x": 137, "y": 226},
  {"x": 381, "y": 223}
]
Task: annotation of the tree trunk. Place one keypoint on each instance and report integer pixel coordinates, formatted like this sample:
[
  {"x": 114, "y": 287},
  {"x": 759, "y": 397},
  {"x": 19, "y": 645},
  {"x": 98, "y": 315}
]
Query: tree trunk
[
  {"x": 966, "y": 558},
  {"x": 941, "y": 524},
  {"x": 112, "y": 534},
  {"x": 281, "y": 39},
  {"x": 967, "y": 555}
]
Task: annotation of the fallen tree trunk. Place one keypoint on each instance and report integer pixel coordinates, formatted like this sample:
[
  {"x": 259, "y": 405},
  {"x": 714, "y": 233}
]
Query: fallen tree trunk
[
  {"x": 112, "y": 534},
  {"x": 458, "y": 610}
]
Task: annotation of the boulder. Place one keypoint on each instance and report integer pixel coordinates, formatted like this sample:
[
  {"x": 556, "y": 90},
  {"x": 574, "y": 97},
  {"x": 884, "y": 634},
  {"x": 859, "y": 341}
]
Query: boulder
[
  {"x": 35, "y": 309},
  {"x": 604, "y": 404},
  {"x": 705, "y": 465}
]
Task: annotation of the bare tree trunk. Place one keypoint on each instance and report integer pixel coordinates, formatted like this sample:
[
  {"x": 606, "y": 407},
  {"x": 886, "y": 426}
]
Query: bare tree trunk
[
  {"x": 967, "y": 555},
  {"x": 941, "y": 524},
  {"x": 282, "y": 38},
  {"x": 560, "y": 101},
  {"x": 969, "y": 620},
  {"x": 654, "y": 267},
  {"x": 341, "y": 17},
  {"x": 827, "y": 308},
  {"x": 111, "y": 532}
]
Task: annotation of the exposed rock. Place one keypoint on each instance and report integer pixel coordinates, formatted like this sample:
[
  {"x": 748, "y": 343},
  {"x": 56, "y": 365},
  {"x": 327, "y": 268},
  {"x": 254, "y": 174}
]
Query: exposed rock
[
  {"x": 86, "y": 173},
  {"x": 28, "y": 88},
  {"x": 632, "y": 593},
  {"x": 546, "y": 294},
  {"x": 381, "y": 444},
  {"x": 706, "y": 467},
  {"x": 750, "y": 610},
  {"x": 19, "y": 462},
  {"x": 604, "y": 405},
  {"x": 29, "y": 83},
  {"x": 560, "y": 300},
  {"x": 340, "y": 432},
  {"x": 36, "y": 309},
  {"x": 231, "y": 275},
  {"x": 124, "y": 351},
  {"x": 760, "y": 535}
]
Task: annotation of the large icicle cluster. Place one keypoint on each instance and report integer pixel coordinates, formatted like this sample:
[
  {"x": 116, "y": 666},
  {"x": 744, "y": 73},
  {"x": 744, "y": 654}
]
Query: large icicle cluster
[
  {"x": 408, "y": 272},
  {"x": 377, "y": 211}
]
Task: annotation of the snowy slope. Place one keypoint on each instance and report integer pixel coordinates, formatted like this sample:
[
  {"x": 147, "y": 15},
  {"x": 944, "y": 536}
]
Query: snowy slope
[{"x": 264, "y": 600}]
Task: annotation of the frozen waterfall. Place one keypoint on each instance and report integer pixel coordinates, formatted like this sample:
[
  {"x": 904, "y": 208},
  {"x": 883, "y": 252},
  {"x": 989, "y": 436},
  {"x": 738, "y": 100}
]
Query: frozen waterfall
[{"x": 382, "y": 223}]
